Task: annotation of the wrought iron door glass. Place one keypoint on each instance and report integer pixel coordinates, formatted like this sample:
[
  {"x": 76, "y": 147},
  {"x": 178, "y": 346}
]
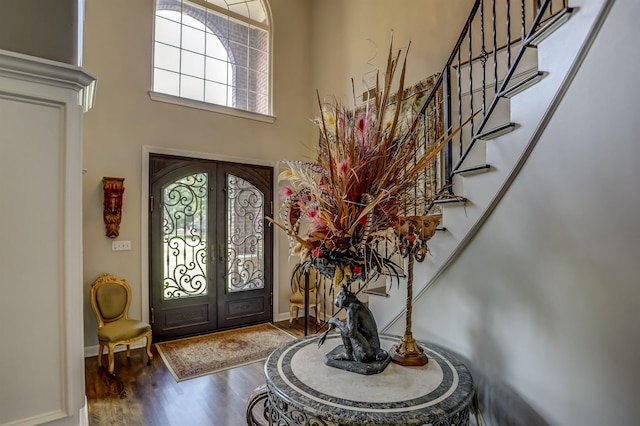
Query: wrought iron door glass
[
  {"x": 245, "y": 235},
  {"x": 184, "y": 227}
]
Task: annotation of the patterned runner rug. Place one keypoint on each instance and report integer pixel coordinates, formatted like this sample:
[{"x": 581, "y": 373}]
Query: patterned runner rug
[{"x": 201, "y": 355}]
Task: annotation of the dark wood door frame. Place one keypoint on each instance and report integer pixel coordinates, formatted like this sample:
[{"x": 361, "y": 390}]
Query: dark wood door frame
[{"x": 220, "y": 309}]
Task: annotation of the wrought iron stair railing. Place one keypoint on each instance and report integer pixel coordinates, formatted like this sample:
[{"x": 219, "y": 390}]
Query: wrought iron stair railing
[{"x": 483, "y": 69}]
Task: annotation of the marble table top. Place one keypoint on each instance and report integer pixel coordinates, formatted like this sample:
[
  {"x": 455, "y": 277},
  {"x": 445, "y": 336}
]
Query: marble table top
[{"x": 299, "y": 381}]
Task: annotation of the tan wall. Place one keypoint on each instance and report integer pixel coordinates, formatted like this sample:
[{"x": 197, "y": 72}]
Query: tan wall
[
  {"x": 118, "y": 40},
  {"x": 351, "y": 40},
  {"x": 124, "y": 118}
]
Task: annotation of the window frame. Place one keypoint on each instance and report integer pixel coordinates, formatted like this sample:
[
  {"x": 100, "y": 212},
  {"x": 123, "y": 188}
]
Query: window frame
[{"x": 218, "y": 108}]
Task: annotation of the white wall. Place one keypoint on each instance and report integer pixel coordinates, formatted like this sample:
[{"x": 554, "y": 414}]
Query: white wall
[
  {"x": 41, "y": 356},
  {"x": 543, "y": 302}
]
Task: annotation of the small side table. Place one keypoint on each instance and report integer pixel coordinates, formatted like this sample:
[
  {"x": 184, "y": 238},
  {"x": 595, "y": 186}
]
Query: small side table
[{"x": 302, "y": 390}]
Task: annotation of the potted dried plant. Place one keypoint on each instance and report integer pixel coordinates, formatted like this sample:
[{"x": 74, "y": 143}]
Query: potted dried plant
[{"x": 361, "y": 186}]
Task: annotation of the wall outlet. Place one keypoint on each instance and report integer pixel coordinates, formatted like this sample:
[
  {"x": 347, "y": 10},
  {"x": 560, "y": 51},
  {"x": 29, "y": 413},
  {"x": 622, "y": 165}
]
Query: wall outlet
[{"x": 121, "y": 245}]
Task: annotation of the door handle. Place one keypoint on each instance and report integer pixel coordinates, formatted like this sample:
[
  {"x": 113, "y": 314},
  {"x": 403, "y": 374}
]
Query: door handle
[{"x": 222, "y": 258}]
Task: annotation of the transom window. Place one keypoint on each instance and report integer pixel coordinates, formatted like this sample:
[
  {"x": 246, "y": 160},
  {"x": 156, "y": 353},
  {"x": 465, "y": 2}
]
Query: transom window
[{"x": 213, "y": 51}]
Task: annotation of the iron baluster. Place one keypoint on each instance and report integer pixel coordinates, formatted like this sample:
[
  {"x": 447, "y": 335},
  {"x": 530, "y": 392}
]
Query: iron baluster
[
  {"x": 448, "y": 158},
  {"x": 483, "y": 60},
  {"x": 508, "y": 34},
  {"x": 470, "y": 74},
  {"x": 459, "y": 102},
  {"x": 523, "y": 20},
  {"x": 495, "y": 47}
]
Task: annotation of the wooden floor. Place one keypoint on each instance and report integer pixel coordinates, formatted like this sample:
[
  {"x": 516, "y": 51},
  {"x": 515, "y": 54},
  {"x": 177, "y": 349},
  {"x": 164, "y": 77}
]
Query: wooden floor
[{"x": 149, "y": 395}]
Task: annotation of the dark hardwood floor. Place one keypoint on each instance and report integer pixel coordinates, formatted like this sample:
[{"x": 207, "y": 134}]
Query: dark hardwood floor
[{"x": 149, "y": 395}]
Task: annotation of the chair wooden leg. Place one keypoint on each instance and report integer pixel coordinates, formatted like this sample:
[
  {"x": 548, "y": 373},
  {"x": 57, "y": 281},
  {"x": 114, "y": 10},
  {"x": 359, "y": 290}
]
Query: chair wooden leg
[
  {"x": 291, "y": 309},
  {"x": 100, "y": 350},
  {"x": 149, "y": 354},
  {"x": 110, "y": 348}
]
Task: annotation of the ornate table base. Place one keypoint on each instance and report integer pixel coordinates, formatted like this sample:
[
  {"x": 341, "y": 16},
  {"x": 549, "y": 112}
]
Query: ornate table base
[{"x": 301, "y": 390}]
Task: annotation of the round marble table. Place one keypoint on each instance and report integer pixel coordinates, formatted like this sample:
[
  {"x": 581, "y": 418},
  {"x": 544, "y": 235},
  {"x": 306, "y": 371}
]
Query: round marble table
[{"x": 302, "y": 390}]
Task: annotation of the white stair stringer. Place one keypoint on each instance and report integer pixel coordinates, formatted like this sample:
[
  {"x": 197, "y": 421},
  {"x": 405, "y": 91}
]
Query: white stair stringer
[{"x": 559, "y": 57}]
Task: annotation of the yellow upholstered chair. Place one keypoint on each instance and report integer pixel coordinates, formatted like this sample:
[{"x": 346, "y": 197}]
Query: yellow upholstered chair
[
  {"x": 296, "y": 301},
  {"x": 110, "y": 300}
]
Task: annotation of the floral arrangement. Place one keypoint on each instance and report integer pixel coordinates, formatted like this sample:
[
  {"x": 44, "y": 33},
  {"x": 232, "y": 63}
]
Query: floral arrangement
[{"x": 341, "y": 206}]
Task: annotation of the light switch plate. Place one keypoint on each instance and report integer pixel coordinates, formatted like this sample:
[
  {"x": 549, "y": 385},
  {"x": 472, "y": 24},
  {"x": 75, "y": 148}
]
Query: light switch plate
[{"x": 121, "y": 245}]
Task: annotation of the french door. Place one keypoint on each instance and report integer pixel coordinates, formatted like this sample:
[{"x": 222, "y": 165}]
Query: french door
[{"x": 210, "y": 251}]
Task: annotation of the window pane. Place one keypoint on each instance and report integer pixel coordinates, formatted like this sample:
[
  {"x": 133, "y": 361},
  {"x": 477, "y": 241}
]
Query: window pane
[
  {"x": 166, "y": 82},
  {"x": 240, "y": 8},
  {"x": 258, "y": 103},
  {"x": 170, "y": 14},
  {"x": 216, "y": 70},
  {"x": 192, "y": 88},
  {"x": 259, "y": 39},
  {"x": 240, "y": 77},
  {"x": 258, "y": 60},
  {"x": 192, "y": 64},
  {"x": 256, "y": 11},
  {"x": 238, "y": 32},
  {"x": 217, "y": 24},
  {"x": 239, "y": 98},
  {"x": 215, "y": 93},
  {"x": 193, "y": 39},
  {"x": 189, "y": 20},
  {"x": 168, "y": 32},
  {"x": 167, "y": 57},
  {"x": 230, "y": 92},
  {"x": 251, "y": 9},
  {"x": 215, "y": 49},
  {"x": 258, "y": 82},
  {"x": 239, "y": 54}
]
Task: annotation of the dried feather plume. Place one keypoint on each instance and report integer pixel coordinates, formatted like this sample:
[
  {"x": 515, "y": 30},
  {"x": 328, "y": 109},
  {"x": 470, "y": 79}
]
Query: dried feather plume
[{"x": 339, "y": 208}]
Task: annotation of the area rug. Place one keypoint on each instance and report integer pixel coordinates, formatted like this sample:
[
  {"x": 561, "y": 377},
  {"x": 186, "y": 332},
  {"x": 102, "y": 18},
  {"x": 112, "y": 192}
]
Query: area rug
[{"x": 201, "y": 355}]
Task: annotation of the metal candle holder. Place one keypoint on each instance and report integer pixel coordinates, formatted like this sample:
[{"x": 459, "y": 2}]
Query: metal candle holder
[{"x": 413, "y": 233}]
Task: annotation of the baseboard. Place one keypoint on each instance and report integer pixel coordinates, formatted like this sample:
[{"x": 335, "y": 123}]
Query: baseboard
[
  {"x": 90, "y": 351},
  {"x": 285, "y": 317},
  {"x": 84, "y": 413}
]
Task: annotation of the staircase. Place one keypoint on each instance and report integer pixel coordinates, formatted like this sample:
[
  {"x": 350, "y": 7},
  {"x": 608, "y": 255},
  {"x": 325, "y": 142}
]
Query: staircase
[{"x": 516, "y": 84}]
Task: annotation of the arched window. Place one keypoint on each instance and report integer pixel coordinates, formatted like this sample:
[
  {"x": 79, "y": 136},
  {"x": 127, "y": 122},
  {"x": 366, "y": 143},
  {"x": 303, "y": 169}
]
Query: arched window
[{"x": 213, "y": 52}]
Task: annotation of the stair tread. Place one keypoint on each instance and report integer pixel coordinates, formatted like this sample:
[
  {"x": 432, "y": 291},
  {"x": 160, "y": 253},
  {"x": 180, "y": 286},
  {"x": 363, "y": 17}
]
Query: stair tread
[
  {"x": 482, "y": 168},
  {"x": 496, "y": 131},
  {"x": 523, "y": 84},
  {"x": 549, "y": 27},
  {"x": 377, "y": 291},
  {"x": 450, "y": 201}
]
